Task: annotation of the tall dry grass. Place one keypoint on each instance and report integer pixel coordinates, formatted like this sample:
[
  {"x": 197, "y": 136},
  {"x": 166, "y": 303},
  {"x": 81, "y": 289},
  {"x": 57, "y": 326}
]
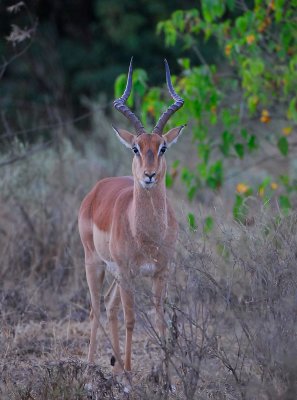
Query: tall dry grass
[{"x": 230, "y": 306}]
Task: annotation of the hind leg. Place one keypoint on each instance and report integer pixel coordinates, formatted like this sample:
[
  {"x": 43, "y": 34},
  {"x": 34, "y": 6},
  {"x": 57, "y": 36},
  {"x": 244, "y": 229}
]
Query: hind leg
[
  {"x": 95, "y": 275},
  {"x": 112, "y": 301}
]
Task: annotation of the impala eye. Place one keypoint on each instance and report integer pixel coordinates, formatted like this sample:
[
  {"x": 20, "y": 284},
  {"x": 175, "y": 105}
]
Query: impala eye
[
  {"x": 162, "y": 150},
  {"x": 135, "y": 150}
]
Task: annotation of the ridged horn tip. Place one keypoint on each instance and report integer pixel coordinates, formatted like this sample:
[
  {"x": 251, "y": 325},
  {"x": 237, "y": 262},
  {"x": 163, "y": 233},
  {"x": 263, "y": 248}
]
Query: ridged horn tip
[{"x": 120, "y": 105}]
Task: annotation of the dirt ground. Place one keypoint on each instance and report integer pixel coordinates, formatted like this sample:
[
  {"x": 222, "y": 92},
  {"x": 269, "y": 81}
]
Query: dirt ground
[{"x": 45, "y": 358}]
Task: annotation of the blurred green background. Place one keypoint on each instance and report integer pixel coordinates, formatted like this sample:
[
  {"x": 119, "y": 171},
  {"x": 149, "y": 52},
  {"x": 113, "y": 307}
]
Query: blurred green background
[{"x": 79, "y": 49}]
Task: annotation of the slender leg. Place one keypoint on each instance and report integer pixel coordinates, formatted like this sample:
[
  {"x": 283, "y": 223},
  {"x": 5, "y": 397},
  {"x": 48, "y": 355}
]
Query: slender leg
[
  {"x": 95, "y": 276},
  {"x": 128, "y": 305},
  {"x": 112, "y": 301},
  {"x": 159, "y": 286}
]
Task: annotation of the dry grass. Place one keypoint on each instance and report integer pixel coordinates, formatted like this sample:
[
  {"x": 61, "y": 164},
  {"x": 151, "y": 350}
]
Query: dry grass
[{"x": 230, "y": 308}]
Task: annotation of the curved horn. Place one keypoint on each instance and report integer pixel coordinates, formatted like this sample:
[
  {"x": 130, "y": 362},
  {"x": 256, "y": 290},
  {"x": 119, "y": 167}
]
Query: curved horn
[
  {"x": 120, "y": 105},
  {"x": 178, "y": 103}
]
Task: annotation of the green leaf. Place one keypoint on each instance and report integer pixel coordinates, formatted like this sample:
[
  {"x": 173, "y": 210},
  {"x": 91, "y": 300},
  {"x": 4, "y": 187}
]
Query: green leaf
[
  {"x": 191, "y": 192},
  {"x": 285, "y": 203},
  {"x": 239, "y": 148},
  {"x": 185, "y": 63},
  {"x": 228, "y": 118},
  {"x": 208, "y": 224},
  {"x": 178, "y": 19},
  {"x": 292, "y": 111},
  {"x": 120, "y": 85},
  {"x": 212, "y": 182},
  {"x": 265, "y": 182},
  {"x": 199, "y": 133},
  {"x": 285, "y": 180},
  {"x": 168, "y": 180},
  {"x": 175, "y": 164},
  {"x": 231, "y": 4},
  {"x": 257, "y": 67},
  {"x": 160, "y": 27},
  {"x": 212, "y": 9},
  {"x": 283, "y": 146},
  {"x": 279, "y": 10},
  {"x": 203, "y": 151},
  {"x": 241, "y": 24},
  {"x": 215, "y": 178},
  {"x": 186, "y": 175},
  {"x": 192, "y": 221},
  {"x": 227, "y": 140},
  {"x": 170, "y": 32},
  {"x": 139, "y": 82},
  {"x": 193, "y": 13},
  {"x": 239, "y": 208},
  {"x": 252, "y": 143},
  {"x": 253, "y": 103},
  {"x": 202, "y": 170}
]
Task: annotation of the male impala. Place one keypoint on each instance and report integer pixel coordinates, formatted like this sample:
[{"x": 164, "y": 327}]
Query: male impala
[{"x": 127, "y": 226}]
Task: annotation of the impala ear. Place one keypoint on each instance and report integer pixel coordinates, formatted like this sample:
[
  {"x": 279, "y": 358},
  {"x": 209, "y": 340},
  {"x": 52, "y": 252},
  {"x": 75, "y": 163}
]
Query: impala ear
[
  {"x": 124, "y": 136},
  {"x": 172, "y": 135}
]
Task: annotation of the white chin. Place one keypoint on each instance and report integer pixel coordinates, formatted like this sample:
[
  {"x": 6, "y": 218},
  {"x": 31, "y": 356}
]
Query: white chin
[{"x": 147, "y": 185}]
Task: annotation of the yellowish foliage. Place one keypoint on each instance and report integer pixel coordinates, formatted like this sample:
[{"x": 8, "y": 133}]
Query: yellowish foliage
[
  {"x": 287, "y": 130},
  {"x": 241, "y": 188},
  {"x": 265, "y": 117}
]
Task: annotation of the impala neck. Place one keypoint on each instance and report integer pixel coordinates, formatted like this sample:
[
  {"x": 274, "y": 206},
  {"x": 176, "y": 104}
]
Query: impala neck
[{"x": 149, "y": 212}]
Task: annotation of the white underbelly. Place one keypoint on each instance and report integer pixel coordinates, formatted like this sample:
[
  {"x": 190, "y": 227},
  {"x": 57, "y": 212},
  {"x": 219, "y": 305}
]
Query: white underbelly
[
  {"x": 148, "y": 269},
  {"x": 101, "y": 242}
]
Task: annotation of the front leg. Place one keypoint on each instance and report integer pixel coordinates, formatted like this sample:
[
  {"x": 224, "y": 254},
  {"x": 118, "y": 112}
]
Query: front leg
[
  {"x": 159, "y": 288},
  {"x": 129, "y": 313},
  {"x": 112, "y": 301}
]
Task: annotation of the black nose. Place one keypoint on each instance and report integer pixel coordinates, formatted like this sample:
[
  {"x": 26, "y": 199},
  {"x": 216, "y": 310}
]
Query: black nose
[{"x": 150, "y": 175}]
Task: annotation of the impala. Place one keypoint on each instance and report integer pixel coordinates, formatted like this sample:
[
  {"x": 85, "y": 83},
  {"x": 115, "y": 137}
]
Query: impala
[{"x": 128, "y": 227}]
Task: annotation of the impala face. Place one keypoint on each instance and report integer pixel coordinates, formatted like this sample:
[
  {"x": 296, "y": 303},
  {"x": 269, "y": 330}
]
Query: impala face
[{"x": 149, "y": 164}]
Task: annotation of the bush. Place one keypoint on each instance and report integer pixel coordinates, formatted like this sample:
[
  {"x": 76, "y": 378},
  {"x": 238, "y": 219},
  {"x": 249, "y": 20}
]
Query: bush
[{"x": 242, "y": 108}]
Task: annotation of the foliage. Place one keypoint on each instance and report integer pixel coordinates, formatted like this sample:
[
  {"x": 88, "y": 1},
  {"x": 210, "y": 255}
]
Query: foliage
[{"x": 255, "y": 83}]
